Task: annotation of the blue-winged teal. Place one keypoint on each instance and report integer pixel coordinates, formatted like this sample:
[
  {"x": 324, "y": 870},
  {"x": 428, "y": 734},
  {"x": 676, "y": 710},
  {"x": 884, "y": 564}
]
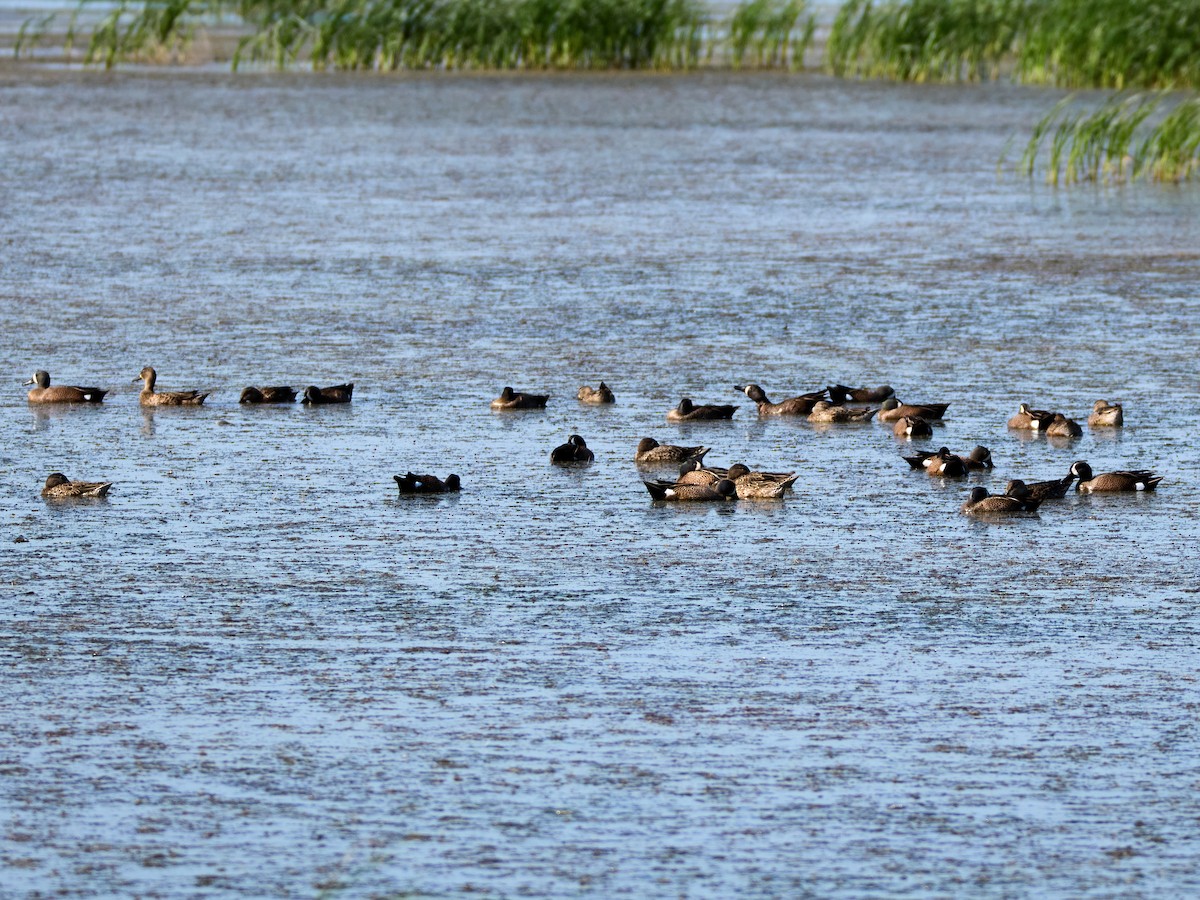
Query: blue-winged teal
[
  {"x": 942, "y": 463},
  {"x": 796, "y": 406},
  {"x": 338, "y": 393},
  {"x": 1061, "y": 426},
  {"x": 981, "y": 503},
  {"x": 1041, "y": 490},
  {"x": 59, "y": 487},
  {"x": 840, "y": 394},
  {"x": 601, "y": 394},
  {"x": 893, "y": 410},
  {"x": 760, "y": 485},
  {"x": 1031, "y": 419},
  {"x": 1106, "y": 415},
  {"x": 427, "y": 484},
  {"x": 151, "y": 397},
  {"x": 669, "y": 490},
  {"x": 61, "y": 393},
  {"x": 277, "y": 394},
  {"x": 573, "y": 451},
  {"x": 687, "y": 411},
  {"x": 510, "y": 399},
  {"x": 1135, "y": 480},
  {"x": 824, "y": 411},
  {"x": 912, "y": 427},
  {"x": 651, "y": 452}
]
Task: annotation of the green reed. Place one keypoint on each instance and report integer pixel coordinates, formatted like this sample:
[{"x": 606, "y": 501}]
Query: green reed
[
  {"x": 457, "y": 34},
  {"x": 1073, "y": 43},
  {"x": 1126, "y": 138}
]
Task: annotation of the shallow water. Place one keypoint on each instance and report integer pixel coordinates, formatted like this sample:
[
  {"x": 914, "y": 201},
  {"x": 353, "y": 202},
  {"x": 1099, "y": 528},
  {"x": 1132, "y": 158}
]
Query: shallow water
[{"x": 254, "y": 669}]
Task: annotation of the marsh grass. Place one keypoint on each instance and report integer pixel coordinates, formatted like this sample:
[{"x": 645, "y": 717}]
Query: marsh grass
[
  {"x": 387, "y": 35},
  {"x": 1072, "y": 43},
  {"x": 1125, "y": 139}
]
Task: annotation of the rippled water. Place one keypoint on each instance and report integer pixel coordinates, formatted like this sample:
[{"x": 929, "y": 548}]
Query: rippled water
[{"x": 254, "y": 669}]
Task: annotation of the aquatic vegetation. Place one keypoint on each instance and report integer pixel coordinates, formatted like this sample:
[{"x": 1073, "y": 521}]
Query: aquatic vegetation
[
  {"x": 1125, "y": 139},
  {"x": 1072, "y": 43},
  {"x": 386, "y": 35}
]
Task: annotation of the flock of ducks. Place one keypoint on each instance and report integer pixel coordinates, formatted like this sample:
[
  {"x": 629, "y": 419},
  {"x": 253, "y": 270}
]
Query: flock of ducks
[{"x": 835, "y": 404}]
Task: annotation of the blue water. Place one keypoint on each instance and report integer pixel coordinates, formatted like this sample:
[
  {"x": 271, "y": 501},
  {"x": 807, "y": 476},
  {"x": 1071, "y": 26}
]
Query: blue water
[{"x": 255, "y": 670}]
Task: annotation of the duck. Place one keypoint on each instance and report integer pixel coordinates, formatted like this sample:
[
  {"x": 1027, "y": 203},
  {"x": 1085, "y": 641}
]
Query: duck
[
  {"x": 1106, "y": 415},
  {"x": 277, "y": 394},
  {"x": 338, "y": 393},
  {"x": 979, "y": 458},
  {"x": 760, "y": 485},
  {"x": 427, "y": 484},
  {"x": 59, "y": 487},
  {"x": 573, "y": 451},
  {"x": 982, "y": 503},
  {"x": 796, "y": 406},
  {"x": 151, "y": 397},
  {"x": 824, "y": 411},
  {"x": 1041, "y": 490},
  {"x": 1061, "y": 426},
  {"x": 61, "y": 393},
  {"x": 669, "y": 490},
  {"x": 912, "y": 427},
  {"x": 601, "y": 394},
  {"x": 687, "y": 411},
  {"x": 892, "y": 410},
  {"x": 651, "y": 452},
  {"x": 1136, "y": 480},
  {"x": 510, "y": 399},
  {"x": 839, "y": 394},
  {"x": 942, "y": 463},
  {"x": 1029, "y": 419}
]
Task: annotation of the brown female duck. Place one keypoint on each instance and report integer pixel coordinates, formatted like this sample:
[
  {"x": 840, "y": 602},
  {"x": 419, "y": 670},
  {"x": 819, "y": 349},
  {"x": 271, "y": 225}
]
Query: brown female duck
[
  {"x": 59, "y": 487},
  {"x": 981, "y": 503},
  {"x": 338, "y": 393},
  {"x": 824, "y": 411},
  {"x": 796, "y": 406},
  {"x": 510, "y": 399},
  {"x": 651, "y": 452},
  {"x": 151, "y": 397},
  {"x": 1106, "y": 415},
  {"x": 687, "y": 411},
  {"x": 601, "y": 394}
]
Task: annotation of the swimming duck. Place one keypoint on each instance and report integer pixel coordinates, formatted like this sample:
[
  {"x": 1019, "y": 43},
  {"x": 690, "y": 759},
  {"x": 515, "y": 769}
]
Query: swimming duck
[
  {"x": 668, "y": 490},
  {"x": 651, "y": 452},
  {"x": 981, "y": 503},
  {"x": 687, "y": 411},
  {"x": 839, "y": 394},
  {"x": 278, "y": 394},
  {"x": 943, "y": 461},
  {"x": 1136, "y": 480},
  {"x": 151, "y": 397},
  {"x": 912, "y": 427},
  {"x": 760, "y": 485},
  {"x": 573, "y": 451},
  {"x": 338, "y": 393},
  {"x": 796, "y": 406},
  {"x": 1061, "y": 426},
  {"x": 1106, "y": 415},
  {"x": 61, "y": 393},
  {"x": 893, "y": 410},
  {"x": 1041, "y": 490},
  {"x": 59, "y": 487},
  {"x": 510, "y": 399},
  {"x": 1031, "y": 419},
  {"x": 602, "y": 394},
  {"x": 427, "y": 484},
  {"x": 824, "y": 411}
]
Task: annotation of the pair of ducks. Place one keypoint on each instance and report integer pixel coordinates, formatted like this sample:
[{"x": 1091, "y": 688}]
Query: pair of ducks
[
  {"x": 1021, "y": 497},
  {"x": 829, "y": 406},
  {"x": 510, "y": 399},
  {"x": 1055, "y": 424},
  {"x": 313, "y": 395},
  {"x": 697, "y": 482}
]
